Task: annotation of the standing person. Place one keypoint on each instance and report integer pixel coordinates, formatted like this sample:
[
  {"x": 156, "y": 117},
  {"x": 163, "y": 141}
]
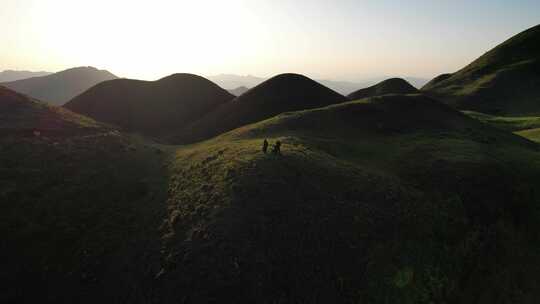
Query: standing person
[
  {"x": 265, "y": 146},
  {"x": 277, "y": 148}
]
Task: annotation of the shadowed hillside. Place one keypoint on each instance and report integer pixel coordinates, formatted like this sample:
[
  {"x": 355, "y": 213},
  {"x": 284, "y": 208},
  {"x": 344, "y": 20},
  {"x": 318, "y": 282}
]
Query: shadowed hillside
[
  {"x": 391, "y": 199},
  {"x": 282, "y": 93},
  {"x": 20, "y": 115},
  {"x": 156, "y": 108},
  {"x": 505, "y": 80},
  {"x": 436, "y": 80},
  {"x": 396, "y": 199},
  {"x": 80, "y": 205},
  {"x": 58, "y": 88},
  {"x": 389, "y": 86}
]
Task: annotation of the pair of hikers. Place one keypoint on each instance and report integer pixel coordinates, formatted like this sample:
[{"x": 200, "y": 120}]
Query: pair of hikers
[{"x": 276, "y": 148}]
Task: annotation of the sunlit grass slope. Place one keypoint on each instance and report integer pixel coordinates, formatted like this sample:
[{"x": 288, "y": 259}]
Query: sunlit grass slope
[
  {"x": 396, "y": 199},
  {"x": 510, "y": 123},
  {"x": 531, "y": 134},
  {"x": 505, "y": 80}
]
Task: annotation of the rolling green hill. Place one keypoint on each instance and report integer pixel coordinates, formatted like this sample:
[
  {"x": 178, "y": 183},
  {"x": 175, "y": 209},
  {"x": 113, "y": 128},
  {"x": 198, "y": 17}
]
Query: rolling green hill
[
  {"x": 80, "y": 206},
  {"x": 505, "y": 80},
  {"x": 394, "y": 199},
  {"x": 389, "y": 86},
  {"x": 282, "y": 93},
  {"x": 391, "y": 199},
  {"x": 156, "y": 108}
]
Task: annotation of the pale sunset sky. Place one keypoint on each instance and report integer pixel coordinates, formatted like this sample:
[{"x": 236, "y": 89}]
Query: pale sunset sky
[{"x": 341, "y": 39}]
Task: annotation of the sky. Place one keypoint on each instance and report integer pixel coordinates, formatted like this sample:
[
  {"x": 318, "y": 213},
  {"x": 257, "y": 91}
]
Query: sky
[{"x": 329, "y": 39}]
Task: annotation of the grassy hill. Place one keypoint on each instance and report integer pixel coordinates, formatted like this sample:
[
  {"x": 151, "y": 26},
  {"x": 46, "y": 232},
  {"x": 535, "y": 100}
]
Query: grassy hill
[
  {"x": 80, "y": 207},
  {"x": 393, "y": 199},
  {"x": 58, "y": 88},
  {"x": 505, "y": 80},
  {"x": 282, "y": 93},
  {"x": 155, "y": 108},
  {"x": 389, "y": 86}
]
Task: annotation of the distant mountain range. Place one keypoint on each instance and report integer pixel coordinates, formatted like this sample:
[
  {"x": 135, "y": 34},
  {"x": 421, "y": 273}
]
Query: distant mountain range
[
  {"x": 232, "y": 81},
  {"x": 239, "y": 91},
  {"x": 58, "y": 88},
  {"x": 12, "y": 75}
]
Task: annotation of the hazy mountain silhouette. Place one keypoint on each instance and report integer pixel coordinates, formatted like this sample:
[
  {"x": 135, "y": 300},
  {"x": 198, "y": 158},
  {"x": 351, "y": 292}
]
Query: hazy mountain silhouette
[
  {"x": 238, "y": 91},
  {"x": 12, "y": 75},
  {"x": 58, "y": 88},
  {"x": 505, "y": 80},
  {"x": 282, "y": 93},
  {"x": 231, "y": 81},
  {"x": 389, "y": 86},
  {"x": 151, "y": 107}
]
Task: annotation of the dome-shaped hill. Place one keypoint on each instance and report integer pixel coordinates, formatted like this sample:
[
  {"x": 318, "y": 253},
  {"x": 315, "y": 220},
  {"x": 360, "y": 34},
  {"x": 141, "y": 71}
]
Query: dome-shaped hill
[
  {"x": 282, "y": 93},
  {"x": 389, "y": 86},
  {"x": 21, "y": 115},
  {"x": 386, "y": 115},
  {"x": 58, "y": 88},
  {"x": 155, "y": 108},
  {"x": 505, "y": 80},
  {"x": 365, "y": 200}
]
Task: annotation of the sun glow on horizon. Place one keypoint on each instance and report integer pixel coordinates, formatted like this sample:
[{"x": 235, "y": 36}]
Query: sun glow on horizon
[{"x": 340, "y": 39}]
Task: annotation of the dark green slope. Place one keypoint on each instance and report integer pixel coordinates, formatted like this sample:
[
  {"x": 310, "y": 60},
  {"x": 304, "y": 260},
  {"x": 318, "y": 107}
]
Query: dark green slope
[
  {"x": 436, "y": 80},
  {"x": 389, "y": 86},
  {"x": 282, "y": 93},
  {"x": 394, "y": 199},
  {"x": 79, "y": 207},
  {"x": 505, "y": 80},
  {"x": 156, "y": 108}
]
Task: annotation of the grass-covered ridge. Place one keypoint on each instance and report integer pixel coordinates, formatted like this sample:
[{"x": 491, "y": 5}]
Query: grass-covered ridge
[
  {"x": 504, "y": 81},
  {"x": 390, "y": 199},
  {"x": 509, "y": 123}
]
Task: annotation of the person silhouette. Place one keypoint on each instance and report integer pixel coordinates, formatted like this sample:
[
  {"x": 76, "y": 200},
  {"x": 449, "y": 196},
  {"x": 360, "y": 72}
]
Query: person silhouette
[
  {"x": 265, "y": 146},
  {"x": 277, "y": 148}
]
